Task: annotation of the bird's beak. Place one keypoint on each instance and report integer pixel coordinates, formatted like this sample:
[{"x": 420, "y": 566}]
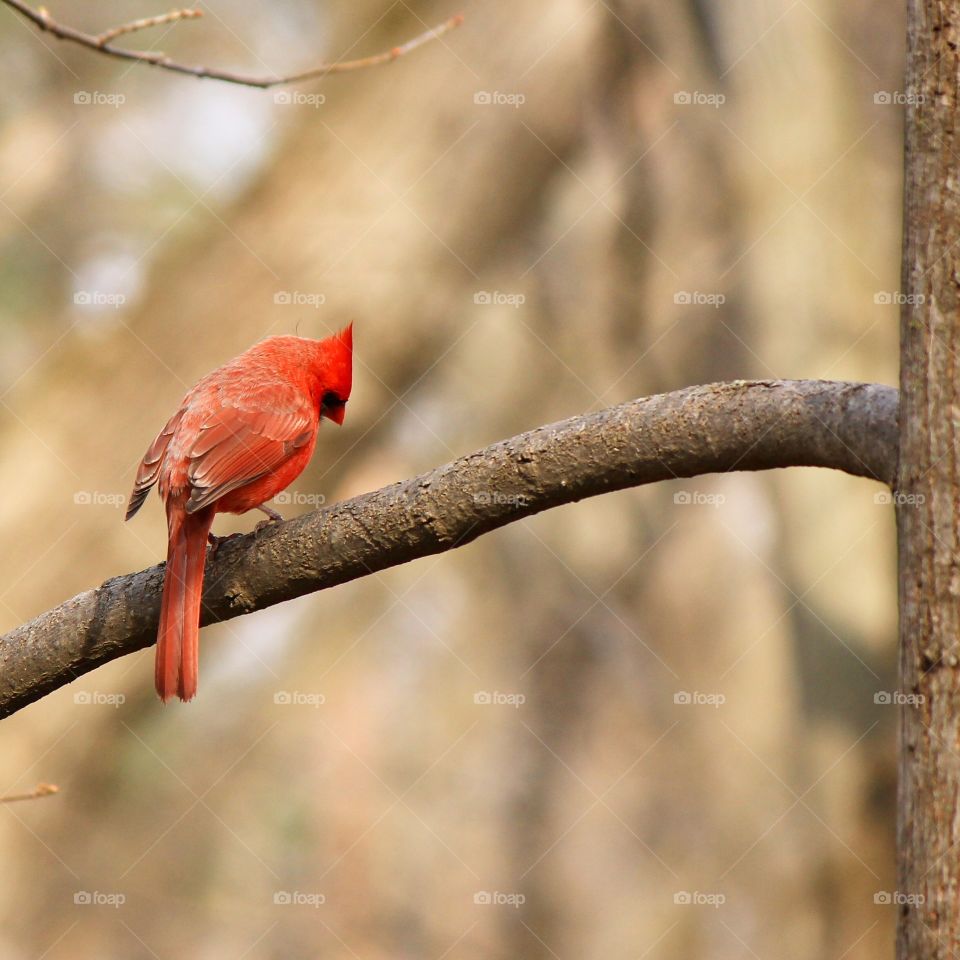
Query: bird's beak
[{"x": 335, "y": 414}]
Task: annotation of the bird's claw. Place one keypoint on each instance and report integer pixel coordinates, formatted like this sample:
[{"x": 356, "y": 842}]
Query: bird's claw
[
  {"x": 272, "y": 518},
  {"x": 215, "y": 541}
]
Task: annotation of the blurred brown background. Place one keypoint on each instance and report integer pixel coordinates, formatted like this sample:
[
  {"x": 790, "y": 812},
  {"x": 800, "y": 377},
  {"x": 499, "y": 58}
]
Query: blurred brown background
[{"x": 649, "y": 195}]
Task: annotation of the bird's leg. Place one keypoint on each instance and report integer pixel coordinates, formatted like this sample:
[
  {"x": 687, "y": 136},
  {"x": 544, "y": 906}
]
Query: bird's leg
[{"x": 272, "y": 517}]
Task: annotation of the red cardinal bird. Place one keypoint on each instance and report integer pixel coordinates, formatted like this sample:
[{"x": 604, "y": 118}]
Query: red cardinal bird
[{"x": 241, "y": 435}]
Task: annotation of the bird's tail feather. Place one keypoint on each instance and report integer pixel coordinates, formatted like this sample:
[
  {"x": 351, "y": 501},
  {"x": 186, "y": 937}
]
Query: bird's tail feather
[{"x": 178, "y": 636}]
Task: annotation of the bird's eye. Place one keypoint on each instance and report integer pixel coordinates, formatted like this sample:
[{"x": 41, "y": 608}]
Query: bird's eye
[{"x": 331, "y": 400}]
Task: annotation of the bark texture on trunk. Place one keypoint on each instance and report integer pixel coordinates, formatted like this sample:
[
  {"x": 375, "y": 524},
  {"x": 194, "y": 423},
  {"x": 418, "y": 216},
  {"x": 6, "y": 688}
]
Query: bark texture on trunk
[{"x": 928, "y": 829}]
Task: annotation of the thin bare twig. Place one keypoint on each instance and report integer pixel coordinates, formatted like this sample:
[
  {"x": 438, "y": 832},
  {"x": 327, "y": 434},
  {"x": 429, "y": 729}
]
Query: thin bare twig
[
  {"x": 104, "y": 38},
  {"x": 40, "y": 790},
  {"x": 102, "y": 43}
]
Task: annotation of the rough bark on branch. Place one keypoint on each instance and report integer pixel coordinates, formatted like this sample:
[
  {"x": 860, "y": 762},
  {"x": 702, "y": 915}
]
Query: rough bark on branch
[{"x": 743, "y": 425}]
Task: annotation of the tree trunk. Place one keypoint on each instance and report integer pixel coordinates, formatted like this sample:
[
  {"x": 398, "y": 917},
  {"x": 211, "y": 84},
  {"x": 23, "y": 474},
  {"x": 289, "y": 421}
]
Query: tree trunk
[{"x": 928, "y": 508}]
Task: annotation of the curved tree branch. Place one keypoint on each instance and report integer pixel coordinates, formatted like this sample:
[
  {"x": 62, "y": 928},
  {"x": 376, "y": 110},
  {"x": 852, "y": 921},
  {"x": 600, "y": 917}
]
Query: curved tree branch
[
  {"x": 743, "y": 425},
  {"x": 103, "y": 43}
]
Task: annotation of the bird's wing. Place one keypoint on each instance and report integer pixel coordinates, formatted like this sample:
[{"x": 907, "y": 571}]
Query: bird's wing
[
  {"x": 245, "y": 440},
  {"x": 149, "y": 468}
]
